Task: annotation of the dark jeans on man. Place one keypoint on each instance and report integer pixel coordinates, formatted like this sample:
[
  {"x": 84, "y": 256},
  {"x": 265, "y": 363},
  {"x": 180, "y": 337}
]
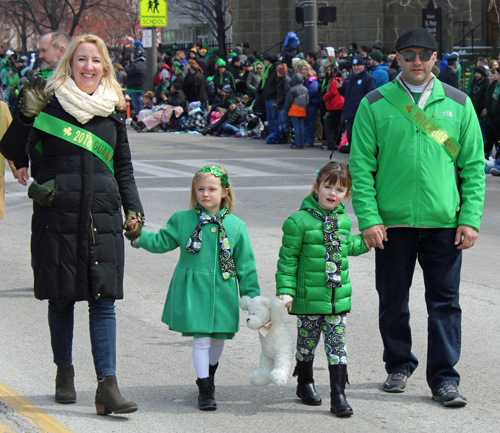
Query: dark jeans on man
[
  {"x": 102, "y": 323},
  {"x": 441, "y": 263}
]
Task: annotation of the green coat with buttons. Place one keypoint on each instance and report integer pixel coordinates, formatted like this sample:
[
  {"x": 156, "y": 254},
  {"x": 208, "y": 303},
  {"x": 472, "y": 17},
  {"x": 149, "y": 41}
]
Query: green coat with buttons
[
  {"x": 199, "y": 300},
  {"x": 302, "y": 262}
]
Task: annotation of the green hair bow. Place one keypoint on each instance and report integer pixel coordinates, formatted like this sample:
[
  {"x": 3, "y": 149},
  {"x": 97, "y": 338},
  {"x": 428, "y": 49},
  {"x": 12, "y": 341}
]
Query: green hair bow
[{"x": 217, "y": 172}]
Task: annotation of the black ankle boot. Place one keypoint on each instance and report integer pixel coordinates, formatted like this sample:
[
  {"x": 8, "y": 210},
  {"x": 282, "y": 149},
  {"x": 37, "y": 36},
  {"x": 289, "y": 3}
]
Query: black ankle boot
[
  {"x": 205, "y": 398},
  {"x": 65, "y": 384},
  {"x": 108, "y": 398},
  {"x": 138, "y": 126},
  {"x": 211, "y": 374},
  {"x": 305, "y": 383},
  {"x": 338, "y": 379}
]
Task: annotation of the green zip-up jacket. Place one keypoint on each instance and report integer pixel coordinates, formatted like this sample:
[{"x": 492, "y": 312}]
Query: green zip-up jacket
[
  {"x": 402, "y": 177},
  {"x": 301, "y": 264}
]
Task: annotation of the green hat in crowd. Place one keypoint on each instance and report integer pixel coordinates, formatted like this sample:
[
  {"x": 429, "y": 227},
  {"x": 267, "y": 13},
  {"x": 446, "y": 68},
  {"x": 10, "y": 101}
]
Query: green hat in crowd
[
  {"x": 209, "y": 80},
  {"x": 231, "y": 101},
  {"x": 231, "y": 55},
  {"x": 251, "y": 92},
  {"x": 220, "y": 62}
]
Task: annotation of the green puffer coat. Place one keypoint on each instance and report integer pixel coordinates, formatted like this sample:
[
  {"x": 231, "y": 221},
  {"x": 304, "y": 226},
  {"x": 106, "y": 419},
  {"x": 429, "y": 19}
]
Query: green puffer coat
[
  {"x": 302, "y": 260},
  {"x": 199, "y": 300}
]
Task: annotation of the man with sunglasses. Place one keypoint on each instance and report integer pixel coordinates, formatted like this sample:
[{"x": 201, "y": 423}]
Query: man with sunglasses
[{"x": 418, "y": 177}]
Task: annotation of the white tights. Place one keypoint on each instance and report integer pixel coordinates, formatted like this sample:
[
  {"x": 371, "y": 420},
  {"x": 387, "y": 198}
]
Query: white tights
[{"x": 206, "y": 351}]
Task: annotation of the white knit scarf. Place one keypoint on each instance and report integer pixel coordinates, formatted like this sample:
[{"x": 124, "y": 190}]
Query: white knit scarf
[{"x": 82, "y": 106}]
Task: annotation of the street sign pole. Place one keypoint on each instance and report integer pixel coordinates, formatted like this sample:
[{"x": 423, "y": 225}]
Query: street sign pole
[
  {"x": 153, "y": 13},
  {"x": 149, "y": 43}
]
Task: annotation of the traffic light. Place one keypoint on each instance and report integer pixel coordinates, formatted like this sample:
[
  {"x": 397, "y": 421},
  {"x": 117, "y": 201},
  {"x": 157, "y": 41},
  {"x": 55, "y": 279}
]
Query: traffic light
[
  {"x": 299, "y": 15},
  {"x": 327, "y": 14}
]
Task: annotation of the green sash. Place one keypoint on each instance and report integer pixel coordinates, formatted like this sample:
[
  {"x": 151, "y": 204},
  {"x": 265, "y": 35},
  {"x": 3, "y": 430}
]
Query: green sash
[
  {"x": 72, "y": 134},
  {"x": 423, "y": 121}
]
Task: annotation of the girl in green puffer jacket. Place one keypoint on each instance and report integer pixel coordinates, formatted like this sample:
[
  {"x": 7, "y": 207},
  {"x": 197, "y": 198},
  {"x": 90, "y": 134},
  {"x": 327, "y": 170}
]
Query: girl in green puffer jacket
[{"x": 321, "y": 291}]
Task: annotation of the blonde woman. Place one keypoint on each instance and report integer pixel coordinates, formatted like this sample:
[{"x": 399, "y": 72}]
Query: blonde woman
[
  {"x": 312, "y": 85},
  {"x": 255, "y": 75},
  {"x": 85, "y": 180}
]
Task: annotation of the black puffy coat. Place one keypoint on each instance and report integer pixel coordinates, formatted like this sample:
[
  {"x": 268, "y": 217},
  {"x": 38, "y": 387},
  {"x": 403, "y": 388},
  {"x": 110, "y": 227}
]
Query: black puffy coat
[
  {"x": 77, "y": 242},
  {"x": 136, "y": 74}
]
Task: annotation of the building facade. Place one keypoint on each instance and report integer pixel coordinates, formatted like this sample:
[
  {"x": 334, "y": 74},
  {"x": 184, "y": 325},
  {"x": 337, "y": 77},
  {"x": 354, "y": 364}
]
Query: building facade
[{"x": 265, "y": 23}]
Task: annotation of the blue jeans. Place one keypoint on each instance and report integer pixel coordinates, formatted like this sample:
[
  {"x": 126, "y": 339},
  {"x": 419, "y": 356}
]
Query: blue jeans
[
  {"x": 102, "y": 323},
  {"x": 441, "y": 263},
  {"x": 272, "y": 116},
  {"x": 136, "y": 101},
  {"x": 298, "y": 129},
  {"x": 229, "y": 129},
  {"x": 309, "y": 124},
  {"x": 284, "y": 122},
  {"x": 487, "y": 169}
]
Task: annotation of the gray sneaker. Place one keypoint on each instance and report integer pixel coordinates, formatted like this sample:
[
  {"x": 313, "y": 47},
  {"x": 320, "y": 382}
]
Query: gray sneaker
[
  {"x": 495, "y": 172},
  {"x": 448, "y": 394},
  {"x": 395, "y": 382}
]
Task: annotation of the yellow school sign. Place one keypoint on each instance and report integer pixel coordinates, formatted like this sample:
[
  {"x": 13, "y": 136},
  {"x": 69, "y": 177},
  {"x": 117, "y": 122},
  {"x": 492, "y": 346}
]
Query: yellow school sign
[{"x": 153, "y": 13}]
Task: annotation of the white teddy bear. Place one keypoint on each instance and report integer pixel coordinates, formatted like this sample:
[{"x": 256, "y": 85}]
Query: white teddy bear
[{"x": 276, "y": 340}]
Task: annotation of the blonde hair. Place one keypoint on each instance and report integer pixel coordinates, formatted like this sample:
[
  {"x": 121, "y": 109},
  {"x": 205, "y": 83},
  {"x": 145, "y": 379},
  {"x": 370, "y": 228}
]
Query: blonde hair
[
  {"x": 227, "y": 201},
  {"x": 310, "y": 70},
  {"x": 181, "y": 54},
  {"x": 332, "y": 173},
  {"x": 149, "y": 94},
  {"x": 64, "y": 68}
]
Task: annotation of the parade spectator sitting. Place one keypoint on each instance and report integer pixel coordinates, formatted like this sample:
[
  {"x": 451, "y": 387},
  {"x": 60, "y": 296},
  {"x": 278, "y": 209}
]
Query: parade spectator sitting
[
  {"x": 379, "y": 71},
  {"x": 147, "y": 105},
  {"x": 222, "y": 76},
  {"x": 175, "y": 104},
  {"x": 230, "y": 122},
  {"x": 224, "y": 93}
]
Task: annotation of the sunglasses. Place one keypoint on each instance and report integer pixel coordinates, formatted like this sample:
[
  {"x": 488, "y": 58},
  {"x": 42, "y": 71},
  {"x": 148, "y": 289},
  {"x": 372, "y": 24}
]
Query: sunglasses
[
  {"x": 258, "y": 69},
  {"x": 424, "y": 56}
]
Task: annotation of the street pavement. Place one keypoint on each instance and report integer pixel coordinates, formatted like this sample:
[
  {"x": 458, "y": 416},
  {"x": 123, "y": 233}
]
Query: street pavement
[{"x": 155, "y": 368}]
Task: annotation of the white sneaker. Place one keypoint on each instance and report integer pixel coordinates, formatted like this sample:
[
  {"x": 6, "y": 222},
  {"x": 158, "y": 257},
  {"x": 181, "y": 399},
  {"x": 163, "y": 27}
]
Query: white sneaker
[{"x": 490, "y": 162}]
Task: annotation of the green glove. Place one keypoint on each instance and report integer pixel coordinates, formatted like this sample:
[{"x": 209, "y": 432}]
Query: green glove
[
  {"x": 133, "y": 224},
  {"x": 34, "y": 100}
]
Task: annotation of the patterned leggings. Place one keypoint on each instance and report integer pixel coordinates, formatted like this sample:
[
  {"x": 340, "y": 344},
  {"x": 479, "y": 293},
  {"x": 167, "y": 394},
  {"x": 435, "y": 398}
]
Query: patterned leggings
[{"x": 309, "y": 329}]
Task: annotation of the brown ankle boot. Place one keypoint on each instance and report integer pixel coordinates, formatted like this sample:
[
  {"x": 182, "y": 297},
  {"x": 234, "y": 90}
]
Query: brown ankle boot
[
  {"x": 108, "y": 398},
  {"x": 65, "y": 384}
]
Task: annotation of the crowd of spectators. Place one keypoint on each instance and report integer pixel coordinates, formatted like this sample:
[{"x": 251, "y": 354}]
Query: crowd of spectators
[{"x": 295, "y": 98}]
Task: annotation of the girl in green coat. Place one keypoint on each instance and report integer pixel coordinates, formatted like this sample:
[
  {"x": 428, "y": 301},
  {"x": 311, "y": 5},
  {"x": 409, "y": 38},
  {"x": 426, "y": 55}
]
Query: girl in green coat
[
  {"x": 321, "y": 290},
  {"x": 203, "y": 297}
]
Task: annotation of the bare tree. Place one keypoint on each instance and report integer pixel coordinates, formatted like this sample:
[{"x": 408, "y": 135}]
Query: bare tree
[{"x": 216, "y": 14}]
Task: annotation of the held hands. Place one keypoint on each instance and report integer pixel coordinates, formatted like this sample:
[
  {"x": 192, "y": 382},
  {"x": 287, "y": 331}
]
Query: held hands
[
  {"x": 133, "y": 224},
  {"x": 288, "y": 304},
  {"x": 34, "y": 99},
  {"x": 375, "y": 236}
]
